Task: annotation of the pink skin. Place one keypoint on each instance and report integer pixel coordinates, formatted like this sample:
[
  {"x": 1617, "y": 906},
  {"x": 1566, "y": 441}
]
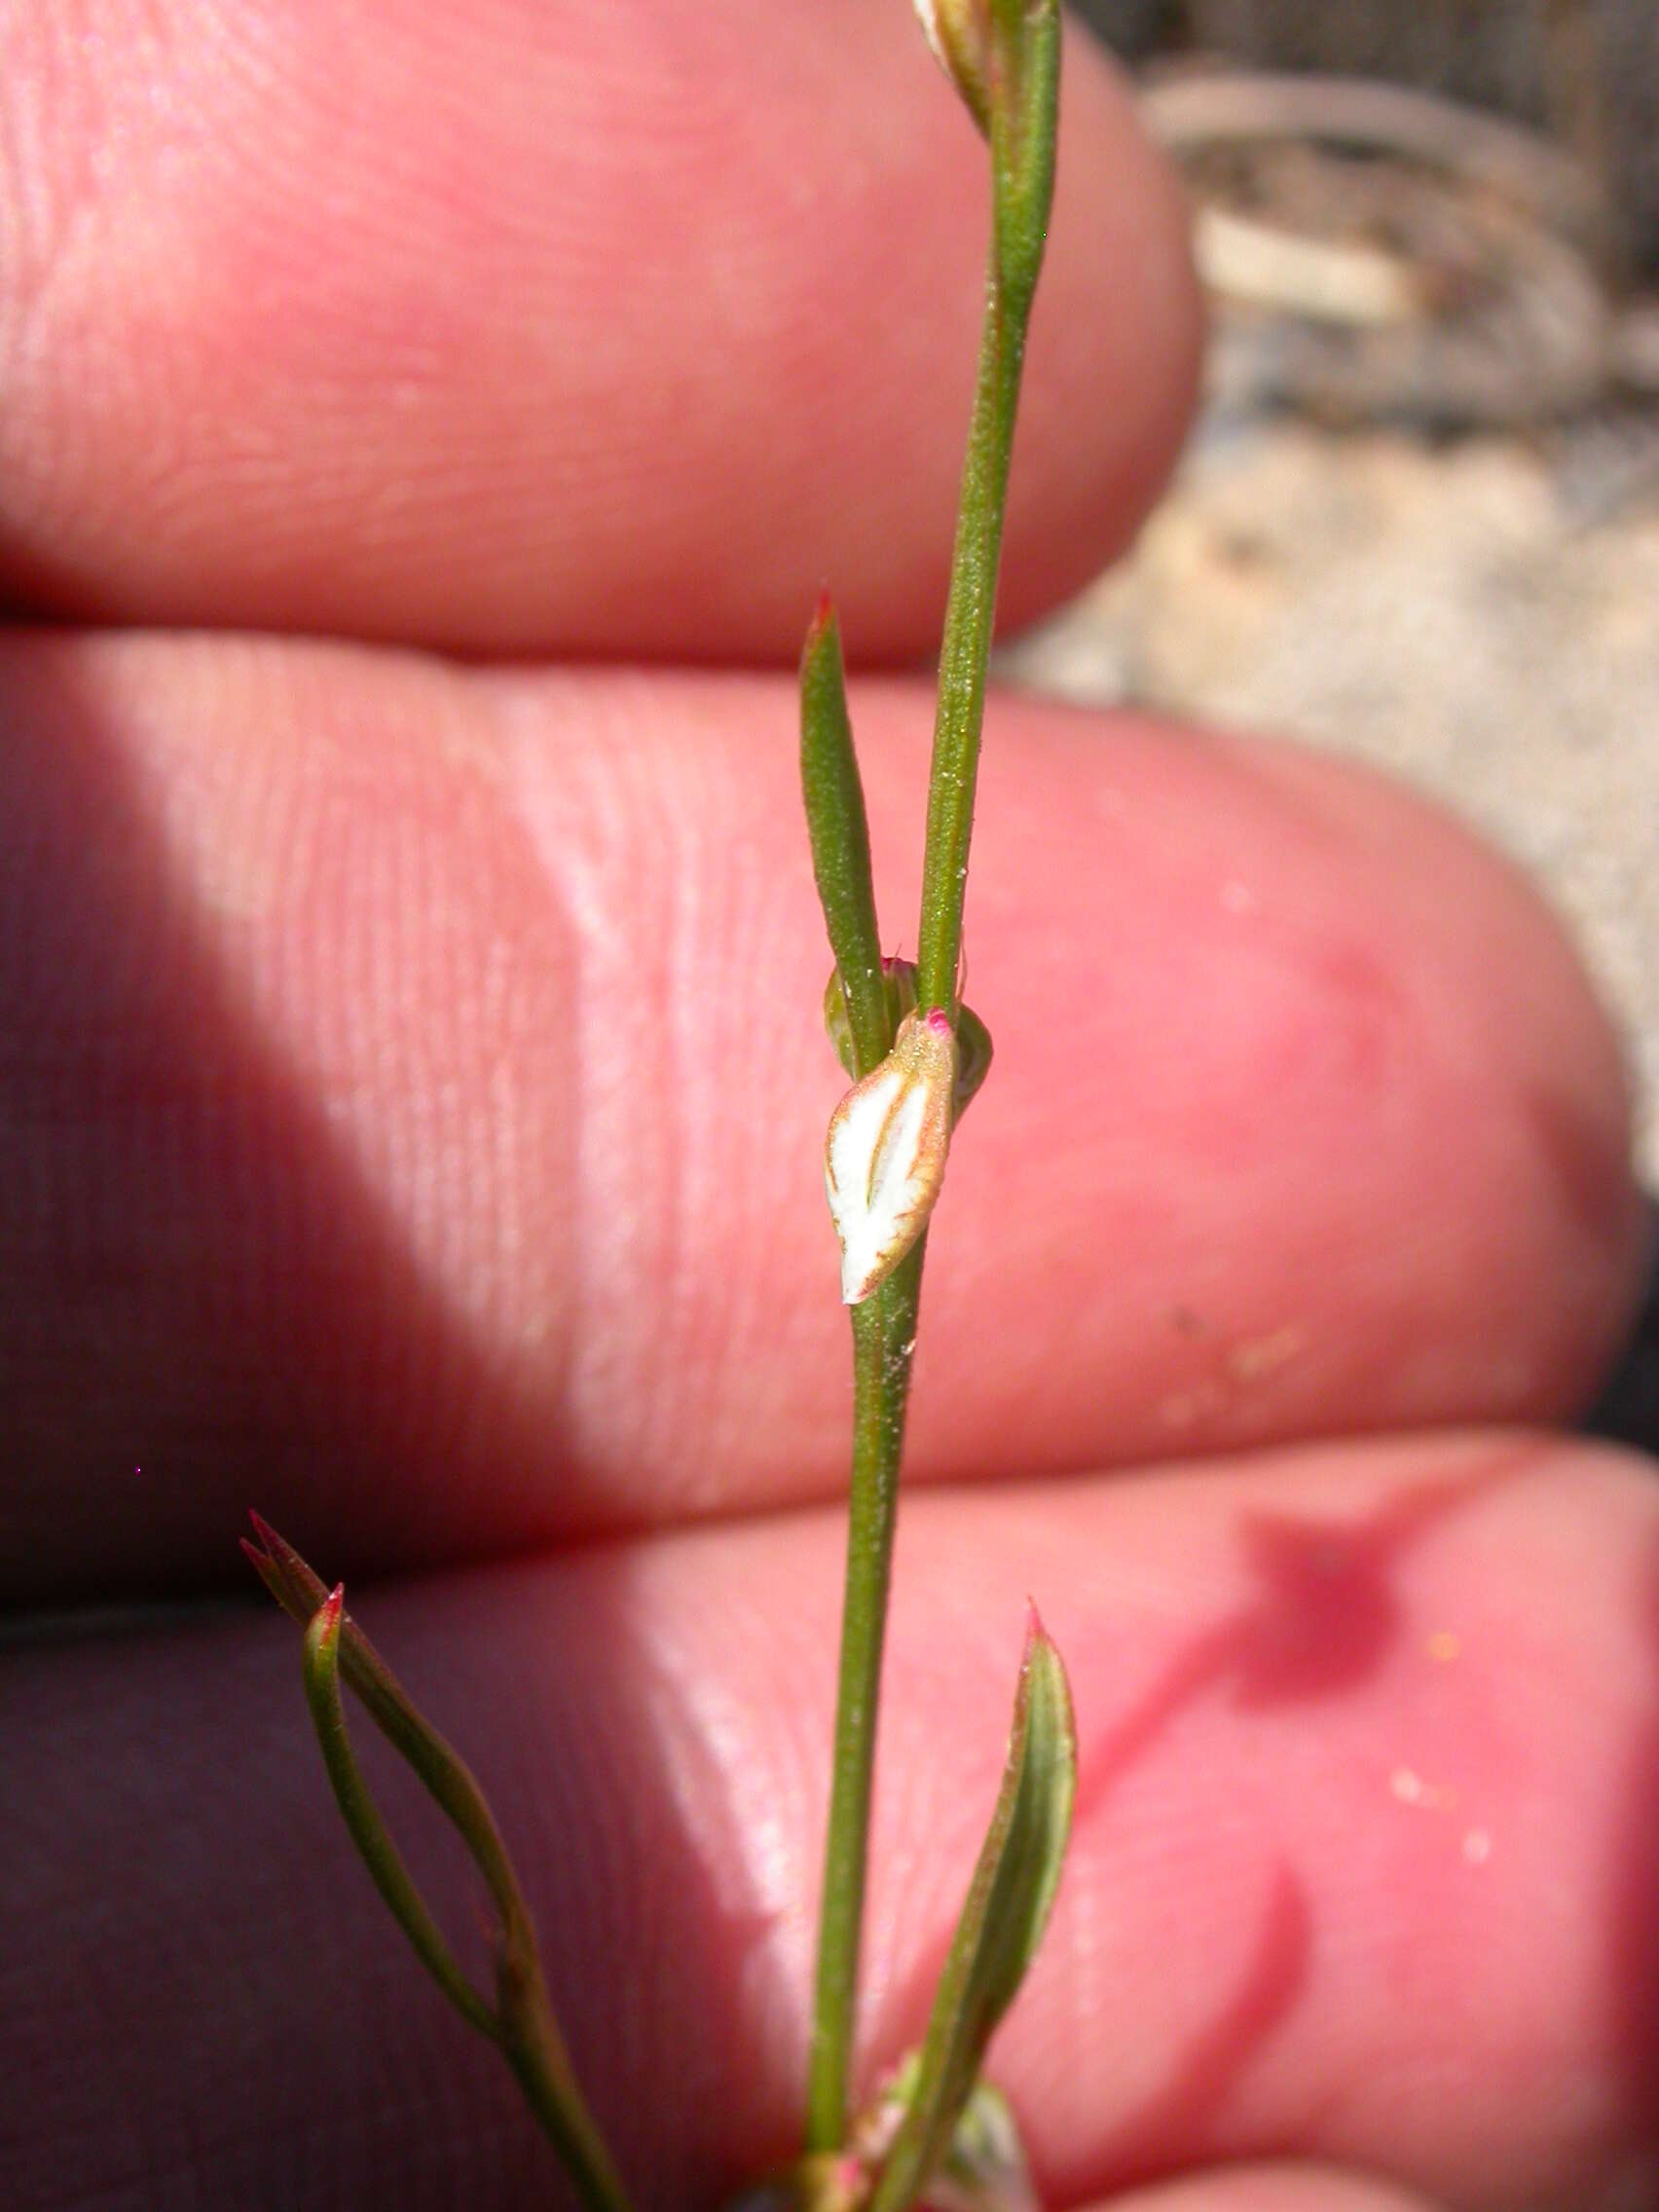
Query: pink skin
[
  {"x": 368, "y": 1057},
  {"x": 1268, "y": 1943},
  {"x": 444, "y": 405},
  {"x": 1354, "y": 1159}
]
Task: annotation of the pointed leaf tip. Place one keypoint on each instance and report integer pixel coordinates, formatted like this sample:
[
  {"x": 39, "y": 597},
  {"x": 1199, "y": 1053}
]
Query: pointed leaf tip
[
  {"x": 1035, "y": 1632},
  {"x": 322, "y": 1638},
  {"x": 267, "y": 1569},
  {"x": 1002, "y": 1923},
  {"x": 276, "y": 1548},
  {"x": 290, "y": 1581},
  {"x": 839, "y": 833}
]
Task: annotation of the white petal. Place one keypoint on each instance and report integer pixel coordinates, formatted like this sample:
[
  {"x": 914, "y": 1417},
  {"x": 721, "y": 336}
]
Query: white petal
[
  {"x": 928, "y": 11},
  {"x": 884, "y": 1158}
]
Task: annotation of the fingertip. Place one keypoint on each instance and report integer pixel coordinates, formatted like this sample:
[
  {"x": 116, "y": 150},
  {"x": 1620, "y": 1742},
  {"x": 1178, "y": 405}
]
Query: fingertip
[
  {"x": 397, "y": 1132},
  {"x": 1271, "y": 2189},
  {"x": 1110, "y": 387},
  {"x": 671, "y": 315},
  {"x": 1325, "y": 1021}
]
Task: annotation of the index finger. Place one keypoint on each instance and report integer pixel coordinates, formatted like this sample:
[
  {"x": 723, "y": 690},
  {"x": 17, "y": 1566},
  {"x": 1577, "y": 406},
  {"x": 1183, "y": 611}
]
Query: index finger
[{"x": 596, "y": 331}]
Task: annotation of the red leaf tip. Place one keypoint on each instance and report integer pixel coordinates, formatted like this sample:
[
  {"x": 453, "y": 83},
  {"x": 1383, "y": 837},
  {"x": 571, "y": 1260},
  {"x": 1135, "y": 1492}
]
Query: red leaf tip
[{"x": 823, "y": 621}]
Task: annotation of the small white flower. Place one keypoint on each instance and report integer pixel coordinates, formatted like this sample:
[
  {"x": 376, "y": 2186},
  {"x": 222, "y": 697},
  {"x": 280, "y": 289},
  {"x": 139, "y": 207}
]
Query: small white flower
[{"x": 884, "y": 1157}]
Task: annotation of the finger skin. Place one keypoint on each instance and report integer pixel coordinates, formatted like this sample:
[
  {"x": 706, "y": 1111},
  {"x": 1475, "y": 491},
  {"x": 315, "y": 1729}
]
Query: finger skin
[
  {"x": 412, "y": 1093},
  {"x": 1362, "y": 1872},
  {"x": 1271, "y": 2189},
  {"x": 600, "y": 330}
]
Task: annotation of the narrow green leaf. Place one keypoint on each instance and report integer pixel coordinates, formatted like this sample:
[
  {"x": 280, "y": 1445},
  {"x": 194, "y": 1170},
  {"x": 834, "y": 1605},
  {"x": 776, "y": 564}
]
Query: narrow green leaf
[
  {"x": 839, "y": 834},
  {"x": 520, "y": 2022},
  {"x": 300, "y": 1591},
  {"x": 368, "y": 1831},
  {"x": 1002, "y": 1923}
]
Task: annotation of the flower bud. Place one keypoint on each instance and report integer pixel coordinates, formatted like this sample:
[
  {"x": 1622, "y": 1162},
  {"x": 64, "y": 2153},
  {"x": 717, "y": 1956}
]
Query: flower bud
[
  {"x": 898, "y": 977},
  {"x": 959, "y": 31},
  {"x": 884, "y": 1157}
]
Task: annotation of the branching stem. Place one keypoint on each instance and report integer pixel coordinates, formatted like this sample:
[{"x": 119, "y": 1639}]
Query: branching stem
[{"x": 1023, "y": 113}]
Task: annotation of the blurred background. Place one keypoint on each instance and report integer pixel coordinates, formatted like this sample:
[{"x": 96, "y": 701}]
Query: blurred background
[
  {"x": 1586, "y": 72},
  {"x": 1419, "y": 519}
]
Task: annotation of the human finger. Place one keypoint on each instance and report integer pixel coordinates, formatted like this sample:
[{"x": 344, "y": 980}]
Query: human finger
[
  {"x": 602, "y": 331},
  {"x": 413, "y": 1093},
  {"x": 1361, "y": 1873},
  {"x": 1271, "y": 2189}
]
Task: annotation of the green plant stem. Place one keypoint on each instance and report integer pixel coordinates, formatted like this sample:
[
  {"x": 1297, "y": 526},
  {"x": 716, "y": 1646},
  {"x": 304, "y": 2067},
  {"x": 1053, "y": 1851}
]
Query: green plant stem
[
  {"x": 884, "y": 1331},
  {"x": 534, "y": 2049},
  {"x": 966, "y": 648},
  {"x": 521, "y": 2023},
  {"x": 1023, "y": 117},
  {"x": 1023, "y": 97}
]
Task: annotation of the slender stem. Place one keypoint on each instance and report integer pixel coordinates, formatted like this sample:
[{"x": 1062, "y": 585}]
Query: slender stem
[
  {"x": 535, "y": 2051},
  {"x": 520, "y": 2022},
  {"x": 368, "y": 1831},
  {"x": 884, "y": 1331},
  {"x": 1023, "y": 114},
  {"x": 965, "y": 647},
  {"x": 1023, "y": 100}
]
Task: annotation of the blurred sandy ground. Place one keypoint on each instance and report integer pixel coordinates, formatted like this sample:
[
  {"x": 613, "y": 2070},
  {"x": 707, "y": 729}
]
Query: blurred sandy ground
[
  {"x": 1477, "y": 613},
  {"x": 1468, "y": 616}
]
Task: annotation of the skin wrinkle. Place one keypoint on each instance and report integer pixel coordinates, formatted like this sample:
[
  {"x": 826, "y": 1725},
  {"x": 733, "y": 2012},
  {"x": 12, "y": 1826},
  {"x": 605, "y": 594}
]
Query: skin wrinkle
[
  {"x": 203, "y": 1112},
  {"x": 522, "y": 1363},
  {"x": 599, "y": 829},
  {"x": 324, "y": 345},
  {"x": 411, "y": 385},
  {"x": 1276, "y": 2189},
  {"x": 1255, "y": 1885}
]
